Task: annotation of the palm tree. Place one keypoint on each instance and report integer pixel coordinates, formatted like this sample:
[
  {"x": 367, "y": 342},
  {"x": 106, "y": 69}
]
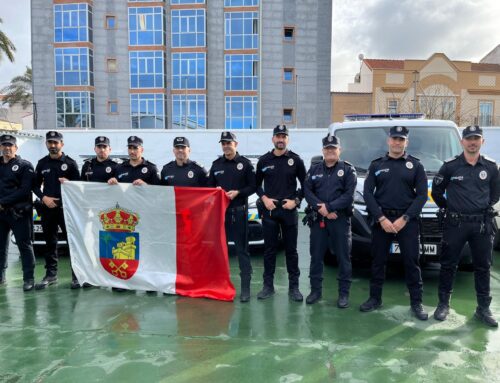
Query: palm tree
[
  {"x": 19, "y": 90},
  {"x": 6, "y": 46}
]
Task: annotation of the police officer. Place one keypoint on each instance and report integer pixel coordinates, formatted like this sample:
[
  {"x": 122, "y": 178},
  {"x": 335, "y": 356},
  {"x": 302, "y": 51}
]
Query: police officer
[
  {"x": 136, "y": 170},
  {"x": 277, "y": 174},
  {"x": 182, "y": 171},
  {"x": 50, "y": 172},
  {"x": 235, "y": 174},
  {"x": 100, "y": 168},
  {"x": 472, "y": 186},
  {"x": 329, "y": 190},
  {"x": 395, "y": 191},
  {"x": 16, "y": 209}
]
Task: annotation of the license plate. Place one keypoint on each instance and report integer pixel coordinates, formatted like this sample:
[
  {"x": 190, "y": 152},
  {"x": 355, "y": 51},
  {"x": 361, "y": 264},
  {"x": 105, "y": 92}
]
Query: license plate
[{"x": 430, "y": 248}]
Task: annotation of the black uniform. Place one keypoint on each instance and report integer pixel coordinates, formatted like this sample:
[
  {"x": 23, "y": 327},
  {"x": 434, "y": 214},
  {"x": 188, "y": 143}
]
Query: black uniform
[
  {"x": 277, "y": 179},
  {"x": 98, "y": 171},
  {"x": 396, "y": 188},
  {"x": 471, "y": 191},
  {"x": 16, "y": 213},
  {"x": 47, "y": 172},
  {"x": 236, "y": 174},
  {"x": 188, "y": 174},
  {"x": 146, "y": 171},
  {"x": 334, "y": 186}
]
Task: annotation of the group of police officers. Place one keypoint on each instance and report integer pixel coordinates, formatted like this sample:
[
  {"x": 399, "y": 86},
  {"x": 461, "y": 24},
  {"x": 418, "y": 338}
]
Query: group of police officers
[{"x": 395, "y": 190}]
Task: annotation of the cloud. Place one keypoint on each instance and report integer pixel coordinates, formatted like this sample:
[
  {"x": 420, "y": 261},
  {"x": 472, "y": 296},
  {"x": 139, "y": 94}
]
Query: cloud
[{"x": 391, "y": 29}]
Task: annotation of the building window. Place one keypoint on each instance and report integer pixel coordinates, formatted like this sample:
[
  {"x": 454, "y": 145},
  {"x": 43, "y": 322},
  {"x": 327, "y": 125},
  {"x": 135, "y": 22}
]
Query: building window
[
  {"x": 241, "y": 30},
  {"x": 241, "y": 112},
  {"x": 74, "y": 66},
  {"x": 147, "y": 111},
  {"x": 241, "y": 3},
  {"x": 146, "y": 26},
  {"x": 288, "y": 115},
  {"x": 75, "y": 109},
  {"x": 145, "y": 1},
  {"x": 188, "y": 70},
  {"x": 195, "y": 105},
  {"x": 111, "y": 65},
  {"x": 485, "y": 113},
  {"x": 187, "y": 2},
  {"x": 188, "y": 28},
  {"x": 72, "y": 22},
  {"x": 112, "y": 107},
  {"x": 392, "y": 106},
  {"x": 289, "y": 33},
  {"x": 147, "y": 69},
  {"x": 110, "y": 22},
  {"x": 241, "y": 72},
  {"x": 288, "y": 74}
]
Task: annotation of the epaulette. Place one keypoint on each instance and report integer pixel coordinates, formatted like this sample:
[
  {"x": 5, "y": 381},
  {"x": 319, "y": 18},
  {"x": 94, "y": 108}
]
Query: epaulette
[
  {"x": 450, "y": 159},
  {"x": 88, "y": 159},
  {"x": 197, "y": 164},
  {"x": 348, "y": 163},
  {"x": 489, "y": 159},
  {"x": 377, "y": 159},
  {"x": 412, "y": 156}
]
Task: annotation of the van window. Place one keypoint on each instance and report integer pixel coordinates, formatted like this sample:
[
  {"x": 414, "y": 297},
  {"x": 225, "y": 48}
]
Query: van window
[{"x": 432, "y": 145}]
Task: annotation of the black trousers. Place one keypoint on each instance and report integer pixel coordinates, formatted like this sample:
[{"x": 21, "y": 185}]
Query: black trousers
[
  {"x": 237, "y": 231},
  {"x": 272, "y": 222},
  {"x": 481, "y": 244},
  {"x": 408, "y": 239},
  {"x": 52, "y": 219},
  {"x": 21, "y": 227},
  {"x": 338, "y": 232}
]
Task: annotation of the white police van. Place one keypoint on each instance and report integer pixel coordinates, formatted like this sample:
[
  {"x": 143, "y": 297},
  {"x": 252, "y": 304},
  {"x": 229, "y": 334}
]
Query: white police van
[{"x": 364, "y": 138}]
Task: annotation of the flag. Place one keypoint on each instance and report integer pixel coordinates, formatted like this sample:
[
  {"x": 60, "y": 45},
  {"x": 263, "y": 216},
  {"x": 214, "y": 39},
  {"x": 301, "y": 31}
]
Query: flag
[{"x": 168, "y": 239}]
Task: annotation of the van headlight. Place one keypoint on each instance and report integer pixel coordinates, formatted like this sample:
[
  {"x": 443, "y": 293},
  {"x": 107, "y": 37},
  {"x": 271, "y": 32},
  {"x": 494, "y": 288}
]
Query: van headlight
[{"x": 358, "y": 198}]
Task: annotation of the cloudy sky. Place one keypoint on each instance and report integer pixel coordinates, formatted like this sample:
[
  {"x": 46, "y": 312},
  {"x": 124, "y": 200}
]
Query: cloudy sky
[{"x": 391, "y": 29}]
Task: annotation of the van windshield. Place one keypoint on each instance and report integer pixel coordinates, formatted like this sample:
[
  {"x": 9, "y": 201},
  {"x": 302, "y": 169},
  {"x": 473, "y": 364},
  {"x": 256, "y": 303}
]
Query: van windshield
[{"x": 431, "y": 144}]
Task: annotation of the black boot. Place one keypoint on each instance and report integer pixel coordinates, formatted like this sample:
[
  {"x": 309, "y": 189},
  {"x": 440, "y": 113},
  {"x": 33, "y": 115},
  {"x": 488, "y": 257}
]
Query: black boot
[
  {"x": 483, "y": 312},
  {"x": 371, "y": 304},
  {"x": 266, "y": 292},
  {"x": 313, "y": 297},
  {"x": 418, "y": 311},
  {"x": 245, "y": 289},
  {"x": 343, "y": 301},
  {"x": 443, "y": 308}
]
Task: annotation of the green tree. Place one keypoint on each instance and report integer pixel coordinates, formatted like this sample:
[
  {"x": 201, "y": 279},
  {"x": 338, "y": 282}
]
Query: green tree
[
  {"x": 19, "y": 90},
  {"x": 6, "y": 46}
]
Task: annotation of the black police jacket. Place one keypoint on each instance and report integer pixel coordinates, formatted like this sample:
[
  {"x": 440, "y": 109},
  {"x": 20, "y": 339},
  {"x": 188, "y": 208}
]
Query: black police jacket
[
  {"x": 236, "y": 174},
  {"x": 395, "y": 184},
  {"x": 277, "y": 175},
  {"x": 188, "y": 174},
  {"x": 469, "y": 189},
  {"x": 98, "y": 171},
  {"x": 334, "y": 186},
  {"x": 16, "y": 182},
  {"x": 146, "y": 171},
  {"x": 48, "y": 171}
]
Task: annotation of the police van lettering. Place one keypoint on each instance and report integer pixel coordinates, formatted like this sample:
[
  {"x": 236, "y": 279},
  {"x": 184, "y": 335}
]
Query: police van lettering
[{"x": 381, "y": 171}]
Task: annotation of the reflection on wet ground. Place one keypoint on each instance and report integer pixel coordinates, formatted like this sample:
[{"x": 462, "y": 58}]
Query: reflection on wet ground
[{"x": 96, "y": 335}]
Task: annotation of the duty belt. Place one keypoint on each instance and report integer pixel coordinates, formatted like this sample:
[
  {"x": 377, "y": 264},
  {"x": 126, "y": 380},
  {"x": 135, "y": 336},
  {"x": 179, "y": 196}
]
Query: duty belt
[
  {"x": 475, "y": 217},
  {"x": 393, "y": 212}
]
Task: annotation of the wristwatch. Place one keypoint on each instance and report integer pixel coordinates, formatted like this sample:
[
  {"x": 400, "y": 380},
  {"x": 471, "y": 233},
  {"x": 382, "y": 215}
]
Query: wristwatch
[
  {"x": 406, "y": 217},
  {"x": 297, "y": 201}
]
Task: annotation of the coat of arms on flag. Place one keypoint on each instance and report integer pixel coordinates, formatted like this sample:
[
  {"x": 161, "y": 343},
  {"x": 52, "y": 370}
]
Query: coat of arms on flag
[{"x": 118, "y": 242}]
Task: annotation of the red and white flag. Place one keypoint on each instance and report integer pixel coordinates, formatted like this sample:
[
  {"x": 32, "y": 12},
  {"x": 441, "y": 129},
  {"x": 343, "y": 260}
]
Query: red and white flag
[{"x": 168, "y": 239}]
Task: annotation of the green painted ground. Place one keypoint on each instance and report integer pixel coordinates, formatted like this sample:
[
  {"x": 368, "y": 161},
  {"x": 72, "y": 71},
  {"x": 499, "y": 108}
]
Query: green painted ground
[{"x": 96, "y": 335}]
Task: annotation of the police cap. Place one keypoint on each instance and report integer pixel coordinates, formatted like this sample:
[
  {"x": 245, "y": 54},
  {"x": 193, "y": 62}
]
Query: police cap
[
  {"x": 102, "y": 140},
  {"x": 181, "y": 141},
  {"x": 134, "y": 141},
  {"x": 52, "y": 135},
  {"x": 399, "y": 131},
  {"x": 227, "y": 137},
  {"x": 472, "y": 130},
  {"x": 7, "y": 139},
  {"x": 331, "y": 141},
  {"x": 280, "y": 129}
]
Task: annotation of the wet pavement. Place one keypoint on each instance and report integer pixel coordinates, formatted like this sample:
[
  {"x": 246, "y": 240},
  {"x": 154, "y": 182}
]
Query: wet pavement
[{"x": 95, "y": 335}]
